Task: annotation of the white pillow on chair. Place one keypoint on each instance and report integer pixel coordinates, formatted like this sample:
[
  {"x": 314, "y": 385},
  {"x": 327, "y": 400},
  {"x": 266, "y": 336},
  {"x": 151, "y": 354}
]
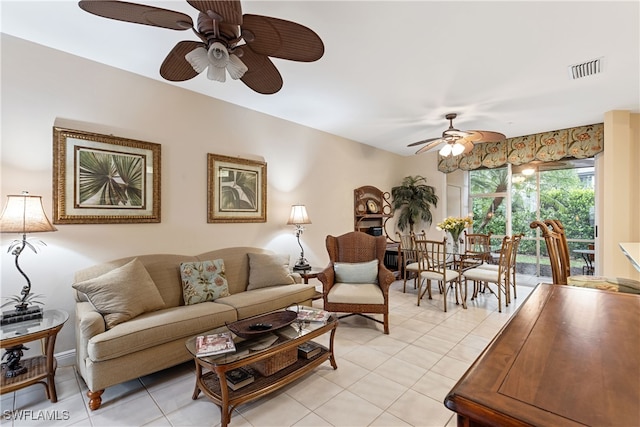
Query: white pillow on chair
[{"x": 356, "y": 272}]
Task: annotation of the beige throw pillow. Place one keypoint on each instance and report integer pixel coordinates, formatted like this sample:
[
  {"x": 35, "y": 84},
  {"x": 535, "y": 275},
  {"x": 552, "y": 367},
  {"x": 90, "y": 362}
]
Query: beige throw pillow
[
  {"x": 122, "y": 293},
  {"x": 268, "y": 270}
]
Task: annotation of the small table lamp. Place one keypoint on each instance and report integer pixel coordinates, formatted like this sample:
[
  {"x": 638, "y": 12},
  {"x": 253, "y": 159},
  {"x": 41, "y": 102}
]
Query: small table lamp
[
  {"x": 23, "y": 214},
  {"x": 298, "y": 218}
]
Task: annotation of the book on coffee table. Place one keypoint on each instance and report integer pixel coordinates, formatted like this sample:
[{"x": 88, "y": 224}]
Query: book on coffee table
[
  {"x": 238, "y": 378},
  {"x": 308, "y": 349},
  {"x": 210, "y": 345}
]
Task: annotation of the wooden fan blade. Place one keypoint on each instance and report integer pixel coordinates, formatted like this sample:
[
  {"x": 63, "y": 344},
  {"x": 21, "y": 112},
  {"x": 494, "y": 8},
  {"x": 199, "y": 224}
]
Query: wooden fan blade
[
  {"x": 282, "y": 39},
  {"x": 175, "y": 67},
  {"x": 431, "y": 145},
  {"x": 422, "y": 142},
  {"x": 262, "y": 76},
  {"x": 138, "y": 14},
  {"x": 229, "y": 10},
  {"x": 485, "y": 136}
]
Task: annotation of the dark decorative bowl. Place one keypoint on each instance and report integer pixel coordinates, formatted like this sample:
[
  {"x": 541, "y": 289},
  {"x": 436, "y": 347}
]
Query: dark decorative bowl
[{"x": 255, "y": 326}]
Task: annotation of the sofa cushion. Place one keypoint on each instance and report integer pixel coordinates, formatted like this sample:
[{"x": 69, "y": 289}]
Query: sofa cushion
[
  {"x": 163, "y": 326},
  {"x": 268, "y": 270},
  {"x": 356, "y": 272},
  {"x": 259, "y": 301},
  {"x": 122, "y": 293},
  {"x": 203, "y": 281}
]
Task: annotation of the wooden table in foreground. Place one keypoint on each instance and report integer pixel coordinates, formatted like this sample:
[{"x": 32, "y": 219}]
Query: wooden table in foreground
[{"x": 568, "y": 357}]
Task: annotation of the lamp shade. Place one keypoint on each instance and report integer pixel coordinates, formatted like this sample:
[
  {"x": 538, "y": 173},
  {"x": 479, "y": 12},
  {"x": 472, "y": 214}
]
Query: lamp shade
[
  {"x": 298, "y": 215},
  {"x": 24, "y": 214}
]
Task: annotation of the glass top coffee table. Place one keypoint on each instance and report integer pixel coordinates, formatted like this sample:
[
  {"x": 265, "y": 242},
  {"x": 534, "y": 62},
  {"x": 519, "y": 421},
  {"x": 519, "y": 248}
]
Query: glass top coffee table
[{"x": 271, "y": 357}]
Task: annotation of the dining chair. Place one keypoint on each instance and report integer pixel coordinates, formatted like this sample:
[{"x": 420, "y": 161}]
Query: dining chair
[
  {"x": 356, "y": 280},
  {"x": 477, "y": 249},
  {"x": 433, "y": 265},
  {"x": 587, "y": 268},
  {"x": 513, "y": 267},
  {"x": 555, "y": 238},
  {"x": 501, "y": 277},
  {"x": 408, "y": 257}
]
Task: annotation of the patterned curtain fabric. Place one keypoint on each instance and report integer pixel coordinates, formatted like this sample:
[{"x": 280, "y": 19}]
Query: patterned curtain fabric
[{"x": 578, "y": 143}]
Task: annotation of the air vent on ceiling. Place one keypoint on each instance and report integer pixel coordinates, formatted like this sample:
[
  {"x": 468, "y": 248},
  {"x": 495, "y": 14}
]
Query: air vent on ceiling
[{"x": 587, "y": 68}]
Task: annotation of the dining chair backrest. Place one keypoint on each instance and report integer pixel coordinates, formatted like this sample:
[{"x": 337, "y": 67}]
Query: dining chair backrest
[
  {"x": 406, "y": 248},
  {"x": 504, "y": 261},
  {"x": 432, "y": 254},
  {"x": 478, "y": 245},
  {"x": 557, "y": 249}
]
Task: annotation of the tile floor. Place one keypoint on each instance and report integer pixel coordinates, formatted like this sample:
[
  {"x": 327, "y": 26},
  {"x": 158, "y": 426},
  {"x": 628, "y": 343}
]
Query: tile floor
[{"x": 399, "y": 379}]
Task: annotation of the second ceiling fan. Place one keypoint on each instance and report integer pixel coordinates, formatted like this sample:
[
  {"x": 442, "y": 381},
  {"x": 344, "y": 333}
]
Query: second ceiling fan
[{"x": 457, "y": 141}]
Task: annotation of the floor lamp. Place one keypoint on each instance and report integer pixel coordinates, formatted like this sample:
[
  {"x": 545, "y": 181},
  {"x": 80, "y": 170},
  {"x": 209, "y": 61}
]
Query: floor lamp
[{"x": 299, "y": 217}]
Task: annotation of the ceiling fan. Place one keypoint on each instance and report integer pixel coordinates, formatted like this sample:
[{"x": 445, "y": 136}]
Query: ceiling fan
[
  {"x": 457, "y": 141},
  {"x": 221, "y": 27}
]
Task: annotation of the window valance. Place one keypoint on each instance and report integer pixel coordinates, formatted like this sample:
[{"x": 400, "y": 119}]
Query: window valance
[{"x": 578, "y": 142}]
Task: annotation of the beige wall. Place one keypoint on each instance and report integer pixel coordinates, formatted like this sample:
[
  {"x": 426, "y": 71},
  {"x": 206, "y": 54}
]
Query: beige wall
[
  {"x": 42, "y": 88},
  {"x": 618, "y": 192}
]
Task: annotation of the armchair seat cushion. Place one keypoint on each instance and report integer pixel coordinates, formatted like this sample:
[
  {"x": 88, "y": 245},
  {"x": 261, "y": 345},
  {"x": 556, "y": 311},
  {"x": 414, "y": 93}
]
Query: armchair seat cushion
[{"x": 355, "y": 293}]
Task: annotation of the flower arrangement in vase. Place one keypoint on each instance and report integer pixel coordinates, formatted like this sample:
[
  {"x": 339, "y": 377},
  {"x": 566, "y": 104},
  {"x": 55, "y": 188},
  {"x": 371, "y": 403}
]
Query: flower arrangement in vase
[{"x": 455, "y": 225}]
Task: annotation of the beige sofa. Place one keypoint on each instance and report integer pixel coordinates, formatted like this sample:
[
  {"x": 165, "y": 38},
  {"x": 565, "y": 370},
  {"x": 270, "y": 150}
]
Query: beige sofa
[{"x": 155, "y": 340}]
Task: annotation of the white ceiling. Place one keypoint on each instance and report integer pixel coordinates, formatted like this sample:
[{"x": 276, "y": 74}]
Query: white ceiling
[{"x": 393, "y": 69}]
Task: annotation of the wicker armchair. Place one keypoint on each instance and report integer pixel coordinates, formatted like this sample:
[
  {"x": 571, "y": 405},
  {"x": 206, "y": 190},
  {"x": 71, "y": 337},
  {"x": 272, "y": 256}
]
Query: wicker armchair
[{"x": 357, "y": 298}]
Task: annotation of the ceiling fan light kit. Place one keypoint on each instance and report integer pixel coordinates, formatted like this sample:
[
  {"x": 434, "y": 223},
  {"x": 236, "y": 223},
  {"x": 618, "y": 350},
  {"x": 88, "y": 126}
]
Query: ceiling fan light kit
[
  {"x": 218, "y": 61},
  {"x": 456, "y": 141},
  {"x": 221, "y": 27}
]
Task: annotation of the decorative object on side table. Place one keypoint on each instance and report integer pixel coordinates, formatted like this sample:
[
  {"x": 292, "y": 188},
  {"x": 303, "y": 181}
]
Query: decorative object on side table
[
  {"x": 455, "y": 225},
  {"x": 23, "y": 214},
  {"x": 299, "y": 217}
]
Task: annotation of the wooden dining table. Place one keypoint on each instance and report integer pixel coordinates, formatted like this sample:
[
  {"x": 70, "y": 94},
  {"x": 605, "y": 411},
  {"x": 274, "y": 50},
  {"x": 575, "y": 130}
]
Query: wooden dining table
[{"x": 569, "y": 356}]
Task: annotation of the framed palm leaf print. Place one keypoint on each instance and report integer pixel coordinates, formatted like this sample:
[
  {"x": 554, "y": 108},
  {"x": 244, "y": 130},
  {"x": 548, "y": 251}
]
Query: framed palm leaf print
[
  {"x": 237, "y": 189},
  {"x": 100, "y": 179}
]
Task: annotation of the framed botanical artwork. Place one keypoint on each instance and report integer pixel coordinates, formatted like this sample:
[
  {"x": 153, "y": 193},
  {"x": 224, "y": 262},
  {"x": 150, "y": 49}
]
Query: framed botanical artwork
[
  {"x": 236, "y": 189},
  {"x": 100, "y": 179}
]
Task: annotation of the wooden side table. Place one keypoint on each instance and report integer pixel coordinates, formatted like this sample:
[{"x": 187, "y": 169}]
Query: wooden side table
[
  {"x": 40, "y": 369},
  {"x": 311, "y": 273}
]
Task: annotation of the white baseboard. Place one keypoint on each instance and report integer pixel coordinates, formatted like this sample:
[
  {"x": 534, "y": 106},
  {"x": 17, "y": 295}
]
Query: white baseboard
[{"x": 66, "y": 358}]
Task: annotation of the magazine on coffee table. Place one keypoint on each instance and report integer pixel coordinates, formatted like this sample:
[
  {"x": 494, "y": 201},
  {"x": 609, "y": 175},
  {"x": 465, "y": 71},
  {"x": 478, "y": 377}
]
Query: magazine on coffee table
[
  {"x": 209, "y": 345},
  {"x": 310, "y": 314}
]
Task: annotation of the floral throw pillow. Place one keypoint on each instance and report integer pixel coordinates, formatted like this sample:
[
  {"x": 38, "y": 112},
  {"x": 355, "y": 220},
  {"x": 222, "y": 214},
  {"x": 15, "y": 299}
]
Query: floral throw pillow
[{"x": 203, "y": 281}]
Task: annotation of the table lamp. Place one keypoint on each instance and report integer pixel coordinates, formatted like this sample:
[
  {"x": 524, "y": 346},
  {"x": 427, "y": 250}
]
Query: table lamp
[
  {"x": 23, "y": 214},
  {"x": 299, "y": 217}
]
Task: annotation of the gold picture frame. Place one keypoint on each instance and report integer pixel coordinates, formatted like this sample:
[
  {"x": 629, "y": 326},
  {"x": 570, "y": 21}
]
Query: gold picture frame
[
  {"x": 236, "y": 189},
  {"x": 100, "y": 179}
]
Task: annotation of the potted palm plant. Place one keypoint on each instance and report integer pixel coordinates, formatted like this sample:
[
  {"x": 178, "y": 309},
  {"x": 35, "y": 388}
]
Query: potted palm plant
[{"x": 414, "y": 199}]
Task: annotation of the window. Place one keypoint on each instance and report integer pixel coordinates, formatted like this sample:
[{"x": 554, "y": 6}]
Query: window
[{"x": 561, "y": 190}]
